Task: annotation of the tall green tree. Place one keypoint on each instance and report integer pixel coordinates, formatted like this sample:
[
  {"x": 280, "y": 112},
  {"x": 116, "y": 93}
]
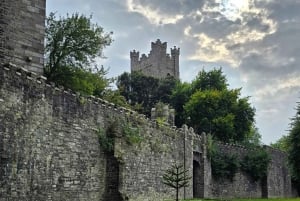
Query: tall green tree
[
  {"x": 208, "y": 105},
  {"x": 72, "y": 45},
  {"x": 294, "y": 149},
  {"x": 180, "y": 95},
  {"x": 210, "y": 80}
]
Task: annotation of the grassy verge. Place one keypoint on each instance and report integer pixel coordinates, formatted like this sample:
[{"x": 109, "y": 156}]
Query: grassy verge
[{"x": 249, "y": 199}]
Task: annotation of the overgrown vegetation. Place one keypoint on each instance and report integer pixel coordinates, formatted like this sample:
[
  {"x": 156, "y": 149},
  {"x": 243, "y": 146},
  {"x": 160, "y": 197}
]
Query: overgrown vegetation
[
  {"x": 131, "y": 133},
  {"x": 225, "y": 165},
  {"x": 106, "y": 141},
  {"x": 255, "y": 163}
]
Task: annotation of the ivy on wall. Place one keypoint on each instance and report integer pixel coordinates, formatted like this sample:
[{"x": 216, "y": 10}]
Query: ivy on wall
[
  {"x": 255, "y": 163},
  {"x": 130, "y": 133},
  {"x": 225, "y": 165}
]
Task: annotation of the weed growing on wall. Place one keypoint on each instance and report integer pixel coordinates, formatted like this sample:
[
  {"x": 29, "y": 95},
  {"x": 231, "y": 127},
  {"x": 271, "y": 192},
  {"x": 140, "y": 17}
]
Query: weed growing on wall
[
  {"x": 161, "y": 121},
  {"x": 131, "y": 133}
]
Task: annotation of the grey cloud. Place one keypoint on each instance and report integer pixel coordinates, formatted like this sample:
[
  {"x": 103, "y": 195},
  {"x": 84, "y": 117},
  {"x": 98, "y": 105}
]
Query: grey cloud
[
  {"x": 281, "y": 10},
  {"x": 216, "y": 28},
  {"x": 172, "y": 6},
  {"x": 256, "y": 22}
]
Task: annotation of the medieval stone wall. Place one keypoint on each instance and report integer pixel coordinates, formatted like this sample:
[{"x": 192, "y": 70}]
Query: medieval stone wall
[
  {"x": 22, "y": 30},
  {"x": 49, "y": 146},
  {"x": 158, "y": 63},
  {"x": 50, "y": 150}
]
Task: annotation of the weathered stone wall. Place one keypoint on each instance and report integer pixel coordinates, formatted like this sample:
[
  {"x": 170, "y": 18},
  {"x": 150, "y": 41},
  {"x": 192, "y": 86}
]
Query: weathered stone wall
[
  {"x": 49, "y": 147},
  {"x": 50, "y": 150},
  {"x": 144, "y": 164},
  {"x": 22, "y": 25},
  {"x": 158, "y": 63},
  {"x": 278, "y": 180}
]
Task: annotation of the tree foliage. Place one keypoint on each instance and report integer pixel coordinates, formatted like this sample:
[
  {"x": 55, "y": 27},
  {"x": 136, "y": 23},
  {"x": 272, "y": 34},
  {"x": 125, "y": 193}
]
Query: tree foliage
[
  {"x": 180, "y": 95},
  {"x": 294, "y": 150},
  {"x": 211, "y": 80},
  {"x": 282, "y": 144},
  {"x": 143, "y": 92},
  {"x": 206, "y": 104},
  {"x": 72, "y": 45},
  {"x": 176, "y": 177},
  {"x": 209, "y": 106}
]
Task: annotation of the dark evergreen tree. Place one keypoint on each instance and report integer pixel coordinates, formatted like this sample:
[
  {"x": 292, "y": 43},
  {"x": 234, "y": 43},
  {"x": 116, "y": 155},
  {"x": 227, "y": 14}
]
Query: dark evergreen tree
[
  {"x": 294, "y": 147},
  {"x": 143, "y": 92}
]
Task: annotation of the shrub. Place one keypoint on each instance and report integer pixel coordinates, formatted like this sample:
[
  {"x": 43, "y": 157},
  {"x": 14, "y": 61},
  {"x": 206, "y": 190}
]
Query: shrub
[
  {"x": 224, "y": 165},
  {"x": 256, "y": 163},
  {"x": 131, "y": 133}
]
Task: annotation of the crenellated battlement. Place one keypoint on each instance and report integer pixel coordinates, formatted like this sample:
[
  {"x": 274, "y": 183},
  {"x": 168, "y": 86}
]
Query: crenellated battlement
[{"x": 158, "y": 63}]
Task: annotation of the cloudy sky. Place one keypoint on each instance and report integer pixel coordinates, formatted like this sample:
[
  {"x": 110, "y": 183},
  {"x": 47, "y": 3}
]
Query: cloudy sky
[{"x": 256, "y": 42}]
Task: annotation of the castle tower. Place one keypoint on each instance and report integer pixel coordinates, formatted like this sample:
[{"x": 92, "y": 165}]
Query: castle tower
[
  {"x": 175, "y": 60},
  {"x": 134, "y": 59},
  {"x": 158, "y": 63},
  {"x": 22, "y": 30}
]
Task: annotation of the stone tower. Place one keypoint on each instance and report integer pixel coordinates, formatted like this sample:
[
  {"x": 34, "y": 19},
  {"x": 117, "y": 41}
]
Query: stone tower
[
  {"x": 158, "y": 63},
  {"x": 22, "y": 30}
]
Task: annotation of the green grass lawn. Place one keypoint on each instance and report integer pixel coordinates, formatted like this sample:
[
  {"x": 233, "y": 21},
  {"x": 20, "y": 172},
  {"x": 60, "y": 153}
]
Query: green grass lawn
[{"x": 258, "y": 199}]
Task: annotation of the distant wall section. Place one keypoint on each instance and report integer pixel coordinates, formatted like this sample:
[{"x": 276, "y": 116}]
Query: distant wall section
[{"x": 276, "y": 184}]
